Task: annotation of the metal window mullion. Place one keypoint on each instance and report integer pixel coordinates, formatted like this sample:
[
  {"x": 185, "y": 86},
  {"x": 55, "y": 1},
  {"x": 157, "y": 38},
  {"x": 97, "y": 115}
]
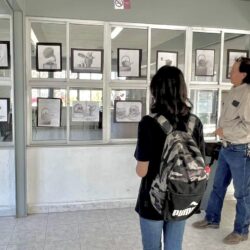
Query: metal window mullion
[
  {"x": 67, "y": 87},
  {"x": 106, "y": 81},
  {"x": 221, "y": 57},
  {"x": 67, "y": 114},
  {"x": 12, "y": 79},
  {"x": 188, "y": 58},
  {"x": 148, "y": 71}
]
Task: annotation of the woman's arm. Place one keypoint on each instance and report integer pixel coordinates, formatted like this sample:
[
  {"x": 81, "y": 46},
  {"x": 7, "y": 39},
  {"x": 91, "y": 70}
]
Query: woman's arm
[{"x": 142, "y": 168}]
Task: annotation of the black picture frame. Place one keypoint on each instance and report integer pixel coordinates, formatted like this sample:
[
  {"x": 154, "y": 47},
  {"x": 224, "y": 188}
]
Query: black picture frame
[
  {"x": 49, "y": 112},
  {"x": 204, "y": 62},
  {"x": 6, "y": 118},
  {"x": 232, "y": 55},
  {"x": 128, "y": 111},
  {"x": 129, "y": 62},
  {"x": 86, "y": 60},
  {"x": 166, "y": 58},
  {"x": 49, "y": 57},
  {"x": 4, "y": 55}
]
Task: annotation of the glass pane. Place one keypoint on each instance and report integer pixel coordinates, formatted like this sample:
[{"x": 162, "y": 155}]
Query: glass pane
[
  {"x": 48, "y": 33},
  {"x": 85, "y": 114},
  {"x": 205, "y": 56},
  {"x": 125, "y": 130},
  {"x": 6, "y": 116},
  {"x": 86, "y": 45},
  {"x": 167, "y": 47},
  {"x": 48, "y": 133},
  {"x": 4, "y": 51},
  {"x": 205, "y": 107},
  {"x": 135, "y": 39},
  {"x": 235, "y": 45}
]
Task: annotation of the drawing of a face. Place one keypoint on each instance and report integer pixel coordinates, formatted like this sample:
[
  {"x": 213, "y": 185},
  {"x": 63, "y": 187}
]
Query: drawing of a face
[
  {"x": 45, "y": 117},
  {"x": 48, "y": 53},
  {"x": 121, "y": 112},
  {"x": 133, "y": 112}
]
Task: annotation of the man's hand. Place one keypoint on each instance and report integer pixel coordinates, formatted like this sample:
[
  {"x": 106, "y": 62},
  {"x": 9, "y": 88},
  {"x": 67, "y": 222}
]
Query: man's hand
[{"x": 219, "y": 132}]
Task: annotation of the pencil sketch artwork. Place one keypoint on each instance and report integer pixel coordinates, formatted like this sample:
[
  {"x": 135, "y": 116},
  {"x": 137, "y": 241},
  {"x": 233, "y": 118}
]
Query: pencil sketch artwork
[
  {"x": 85, "y": 111},
  {"x": 129, "y": 62},
  {"x": 49, "y": 57},
  {"x": 3, "y": 110},
  {"x": 166, "y": 58},
  {"x": 4, "y": 55},
  {"x": 86, "y": 61},
  {"x": 49, "y": 112},
  {"x": 204, "y": 62},
  {"x": 128, "y": 111},
  {"x": 232, "y": 56}
]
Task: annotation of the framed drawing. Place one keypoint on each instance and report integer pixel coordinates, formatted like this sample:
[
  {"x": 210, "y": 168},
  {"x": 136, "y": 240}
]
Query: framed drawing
[
  {"x": 86, "y": 60},
  {"x": 204, "y": 62},
  {"x": 129, "y": 62},
  {"x": 49, "y": 112},
  {"x": 4, "y": 109},
  {"x": 85, "y": 111},
  {"x": 232, "y": 55},
  {"x": 49, "y": 57},
  {"x": 4, "y": 54},
  {"x": 166, "y": 58},
  {"x": 127, "y": 111}
]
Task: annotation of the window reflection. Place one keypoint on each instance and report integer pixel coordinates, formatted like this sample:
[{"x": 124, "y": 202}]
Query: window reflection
[
  {"x": 125, "y": 130},
  {"x": 85, "y": 114},
  {"x": 205, "y": 107}
]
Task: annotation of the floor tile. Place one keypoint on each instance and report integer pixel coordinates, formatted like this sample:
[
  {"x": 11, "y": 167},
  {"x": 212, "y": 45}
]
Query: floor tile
[
  {"x": 63, "y": 218},
  {"x": 24, "y": 237},
  {"x": 5, "y": 237},
  {"x": 63, "y": 245},
  {"x": 26, "y": 247},
  {"x": 62, "y": 232},
  {"x": 111, "y": 229}
]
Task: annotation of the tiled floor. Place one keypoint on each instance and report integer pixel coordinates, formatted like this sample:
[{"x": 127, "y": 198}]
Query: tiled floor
[{"x": 113, "y": 229}]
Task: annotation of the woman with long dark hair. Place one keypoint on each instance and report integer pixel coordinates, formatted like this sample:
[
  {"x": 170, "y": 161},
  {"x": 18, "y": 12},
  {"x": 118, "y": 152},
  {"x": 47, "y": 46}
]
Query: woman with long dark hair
[{"x": 169, "y": 98}]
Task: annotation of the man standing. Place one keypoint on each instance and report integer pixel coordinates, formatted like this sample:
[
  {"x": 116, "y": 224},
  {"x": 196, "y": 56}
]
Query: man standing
[{"x": 234, "y": 157}]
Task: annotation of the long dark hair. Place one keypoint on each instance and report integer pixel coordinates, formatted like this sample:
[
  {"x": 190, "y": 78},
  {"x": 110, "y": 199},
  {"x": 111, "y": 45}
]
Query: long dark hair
[{"x": 169, "y": 92}]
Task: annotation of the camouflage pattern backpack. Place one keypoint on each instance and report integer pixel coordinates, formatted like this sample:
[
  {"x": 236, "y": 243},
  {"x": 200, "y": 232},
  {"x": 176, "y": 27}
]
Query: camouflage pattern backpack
[{"x": 177, "y": 190}]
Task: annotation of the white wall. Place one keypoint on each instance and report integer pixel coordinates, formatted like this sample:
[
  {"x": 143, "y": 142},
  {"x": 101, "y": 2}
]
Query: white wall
[
  {"x": 212, "y": 13},
  {"x": 71, "y": 178},
  {"x": 7, "y": 182}
]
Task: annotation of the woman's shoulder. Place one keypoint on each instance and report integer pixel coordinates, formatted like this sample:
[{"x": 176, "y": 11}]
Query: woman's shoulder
[{"x": 147, "y": 119}]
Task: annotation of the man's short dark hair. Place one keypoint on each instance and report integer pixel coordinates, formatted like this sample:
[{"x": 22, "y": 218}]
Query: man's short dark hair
[{"x": 244, "y": 67}]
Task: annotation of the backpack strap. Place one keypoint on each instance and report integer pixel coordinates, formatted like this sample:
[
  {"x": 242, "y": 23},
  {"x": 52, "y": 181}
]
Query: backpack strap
[
  {"x": 191, "y": 124},
  {"x": 164, "y": 123}
]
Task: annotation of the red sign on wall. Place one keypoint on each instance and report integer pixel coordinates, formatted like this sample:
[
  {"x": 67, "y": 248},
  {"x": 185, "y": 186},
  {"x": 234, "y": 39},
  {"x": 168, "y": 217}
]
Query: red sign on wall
[
  {"x": 126, "y": 4},
  {"x": 122, "y": 4}
]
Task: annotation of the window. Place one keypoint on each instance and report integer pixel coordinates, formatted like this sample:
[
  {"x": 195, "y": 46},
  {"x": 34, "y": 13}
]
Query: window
[
  {"x": 106, "y": 72},
  {"x": 6, "y": 83},
  {"x": 205, "y": 107},
  {"x": 205, "y": 57},
  {"x": 86, "y": 114},
  {"x": 47, "y": 33},
  {"x": 48, "y": 133},
  {"x": 127, "y": 129}
]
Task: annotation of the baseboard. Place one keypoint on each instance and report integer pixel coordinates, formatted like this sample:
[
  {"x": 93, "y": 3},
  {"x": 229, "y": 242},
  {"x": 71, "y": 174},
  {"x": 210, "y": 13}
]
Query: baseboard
[
  {"x": 7, "y": 211},
  {"x": 75, "y": 206}
]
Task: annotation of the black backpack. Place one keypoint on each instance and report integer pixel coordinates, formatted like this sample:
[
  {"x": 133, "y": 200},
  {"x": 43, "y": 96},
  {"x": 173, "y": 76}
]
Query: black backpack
[{"x": 177, "y": 190}]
